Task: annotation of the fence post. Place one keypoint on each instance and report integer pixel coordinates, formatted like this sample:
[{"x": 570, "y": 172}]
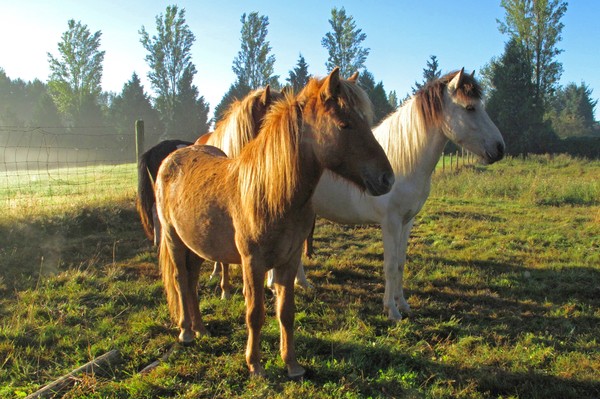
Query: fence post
[
  {"x": 443, "y": 162},
  {"x": 139, "y": 139},
  {"x": 457, "y": 159}
]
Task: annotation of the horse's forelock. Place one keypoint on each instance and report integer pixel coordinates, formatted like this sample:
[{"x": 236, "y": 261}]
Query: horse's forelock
[
  {"x": 354, "y": 97},
  {"x": 350, "y": 96}
]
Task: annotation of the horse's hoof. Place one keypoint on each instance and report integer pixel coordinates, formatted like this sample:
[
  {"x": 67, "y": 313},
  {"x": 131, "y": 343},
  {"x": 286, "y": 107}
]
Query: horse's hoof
[
  {"x": 296, "y": 372},
  {"x": 394, "y": 314},
  {"x": 257, "y": 371},
  {"x": 225, "y": 295},
  {"x": 304, "y": 284},
  {"x": 403, "y": 305},
  {"x": 186, "y": 337}
]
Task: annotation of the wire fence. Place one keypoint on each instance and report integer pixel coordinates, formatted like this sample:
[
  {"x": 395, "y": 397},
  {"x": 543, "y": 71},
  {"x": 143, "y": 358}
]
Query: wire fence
[
  {"x": 55, "y": 166},
  {"x": 45, "y": 168}
]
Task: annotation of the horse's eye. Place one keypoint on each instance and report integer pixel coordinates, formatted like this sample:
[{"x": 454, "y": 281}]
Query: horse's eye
[
  {"x": 470, "y": 107},
  {"x": 344, "y": 125}
]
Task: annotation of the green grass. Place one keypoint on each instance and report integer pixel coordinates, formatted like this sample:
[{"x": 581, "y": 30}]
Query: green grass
[{"x": 503, "y": 278}]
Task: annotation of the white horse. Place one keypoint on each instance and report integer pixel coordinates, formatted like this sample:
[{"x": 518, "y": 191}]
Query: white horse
[{"x": 413, "y": 137}]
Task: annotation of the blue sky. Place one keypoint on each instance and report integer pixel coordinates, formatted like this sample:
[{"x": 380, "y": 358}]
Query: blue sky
[{"x": 400, "y": 34}]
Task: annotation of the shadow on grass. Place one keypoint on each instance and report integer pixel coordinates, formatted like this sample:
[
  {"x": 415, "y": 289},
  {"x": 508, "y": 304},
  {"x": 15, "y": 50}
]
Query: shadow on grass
[{"x": 375, "y": 371}]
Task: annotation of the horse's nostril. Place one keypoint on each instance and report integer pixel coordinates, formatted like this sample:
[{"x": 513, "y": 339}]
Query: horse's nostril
[{"x": 387, "y": 180}]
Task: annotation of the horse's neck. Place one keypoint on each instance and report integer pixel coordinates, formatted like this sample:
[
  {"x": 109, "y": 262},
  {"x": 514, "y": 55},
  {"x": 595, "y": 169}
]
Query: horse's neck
[{"x": 412, "y": 148}]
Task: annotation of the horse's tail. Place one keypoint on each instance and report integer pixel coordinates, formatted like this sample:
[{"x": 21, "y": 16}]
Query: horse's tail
[
  {"x": 169, "y": 271},
  {"x": 147, "y": 170},
  {"x": 145, "y": 194}
]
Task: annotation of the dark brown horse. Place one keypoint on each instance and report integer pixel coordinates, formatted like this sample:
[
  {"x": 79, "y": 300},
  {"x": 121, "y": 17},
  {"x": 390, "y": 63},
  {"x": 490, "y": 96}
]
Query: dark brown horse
[{"x": 256, "y": 209}]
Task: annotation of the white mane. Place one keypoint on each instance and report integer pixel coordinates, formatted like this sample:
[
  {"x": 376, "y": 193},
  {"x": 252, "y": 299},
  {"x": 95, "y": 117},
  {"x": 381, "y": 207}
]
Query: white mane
[{"x": 403, "y": 137}]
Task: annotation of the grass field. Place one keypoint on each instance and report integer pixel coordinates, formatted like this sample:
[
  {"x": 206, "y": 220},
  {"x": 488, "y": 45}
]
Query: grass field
[{"x": 503, "y": 277}]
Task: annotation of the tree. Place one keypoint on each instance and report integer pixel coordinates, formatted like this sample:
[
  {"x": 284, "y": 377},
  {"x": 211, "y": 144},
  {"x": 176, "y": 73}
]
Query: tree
[
  {"x": 299, "y": 75},
  {"x": 190, "y": 113},
  {"x": 572, "y": 111},
  {"x": 343, "y": 44},
  {"x": 430, "y": 73},
  {"x": 237, "y": 91},
  {"x": 377, "y": 95},
  {"x": 169, "y": 58},
  {"x": 76, "y": 73},
  {"x": 536, "y": 25},
  {"x": 512, "y": 105},
  {"x": 133, "y": 104},
  {"x": 393, "y": 99},
  {"x": 253, "y": 65}
]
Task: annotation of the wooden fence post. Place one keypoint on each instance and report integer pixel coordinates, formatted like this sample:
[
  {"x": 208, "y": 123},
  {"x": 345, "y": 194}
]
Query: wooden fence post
[
  {"x": 443, "y": 162},
  {"x": 139, "y": 139}
]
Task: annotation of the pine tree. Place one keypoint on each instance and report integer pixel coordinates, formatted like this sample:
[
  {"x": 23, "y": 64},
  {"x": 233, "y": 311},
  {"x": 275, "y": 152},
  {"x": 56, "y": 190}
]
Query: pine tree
[
  {"x": 377, "y": 95},
  {"x": 430, "y": 73},
  {"x": 572, "y": 111},
  {"x": 512, "y": 104},
  {"x": 133, "y": 104},
  {"x": 191, "y": 112},
  {"x": 343, "y": 44},
  {"x": 237, "y": 91},
  {"x": 299, "y": 75}
]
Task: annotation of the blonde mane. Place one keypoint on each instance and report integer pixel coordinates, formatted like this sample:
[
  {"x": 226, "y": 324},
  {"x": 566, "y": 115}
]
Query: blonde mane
[
  {"x": 268, "y": 168},
  {"x": 403, "y": 134},
  {"x": 237, "y": 127}
]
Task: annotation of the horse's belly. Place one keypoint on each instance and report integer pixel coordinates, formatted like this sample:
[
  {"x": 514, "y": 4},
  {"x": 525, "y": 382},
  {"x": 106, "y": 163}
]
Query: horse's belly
[{"x": 342, "y": 202}]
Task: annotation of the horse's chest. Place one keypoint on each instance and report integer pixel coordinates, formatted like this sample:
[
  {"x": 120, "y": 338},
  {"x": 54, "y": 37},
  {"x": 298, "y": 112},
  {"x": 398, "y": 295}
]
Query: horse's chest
[
  {"x": 283, "y": 243},
  {"x": 408, "y": 199}
]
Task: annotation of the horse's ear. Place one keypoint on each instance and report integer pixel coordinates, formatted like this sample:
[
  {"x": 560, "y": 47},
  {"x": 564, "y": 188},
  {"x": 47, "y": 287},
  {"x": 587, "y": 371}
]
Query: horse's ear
[
  {"x": 456, "y": 81},
  {"x": 265, "y": 99},
  {"x": 473, "y": 74},
  {"x": 354, "y": 77},
  {"x": 331, "y": 86}
]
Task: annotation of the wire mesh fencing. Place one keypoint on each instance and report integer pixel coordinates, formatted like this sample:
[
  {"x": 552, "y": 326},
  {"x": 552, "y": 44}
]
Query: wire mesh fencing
[{"x": 49, "y": 167}]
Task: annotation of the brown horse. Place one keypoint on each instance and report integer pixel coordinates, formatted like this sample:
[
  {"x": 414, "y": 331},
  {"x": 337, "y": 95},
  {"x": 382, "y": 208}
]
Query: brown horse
[
  {"x": 239, "y": 125},
  {"x": 256, "y": 209}
]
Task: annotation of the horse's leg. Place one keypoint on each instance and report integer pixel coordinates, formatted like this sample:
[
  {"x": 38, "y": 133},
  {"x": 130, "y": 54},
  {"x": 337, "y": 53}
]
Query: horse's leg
[
  {"x": 254, "y": 293},
  {"x": 301, "y": 279},
  {"x": 225, "y": 281},
  {"x": 390, "y": 229},
  {"x": 286, "y": 309},
  {"x": 216, "y": 271},
  {"x": 194, "y": 263},
  {"x": 402, "y": 246},
  {"x": 308, "y": 243}
]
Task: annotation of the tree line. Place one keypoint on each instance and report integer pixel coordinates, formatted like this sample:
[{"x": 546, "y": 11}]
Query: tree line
[{"x": 521, "y": 85}]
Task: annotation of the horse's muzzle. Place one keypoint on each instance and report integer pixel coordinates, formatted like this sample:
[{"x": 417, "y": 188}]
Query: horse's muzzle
[
  {"x": 495, "y": 156},
  {"x": 381, "y": 185}
]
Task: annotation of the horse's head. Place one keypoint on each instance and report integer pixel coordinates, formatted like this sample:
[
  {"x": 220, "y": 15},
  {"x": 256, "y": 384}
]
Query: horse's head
[
  {"x": 465, "y": 120},
  {"x": 337, "y": 115}
]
